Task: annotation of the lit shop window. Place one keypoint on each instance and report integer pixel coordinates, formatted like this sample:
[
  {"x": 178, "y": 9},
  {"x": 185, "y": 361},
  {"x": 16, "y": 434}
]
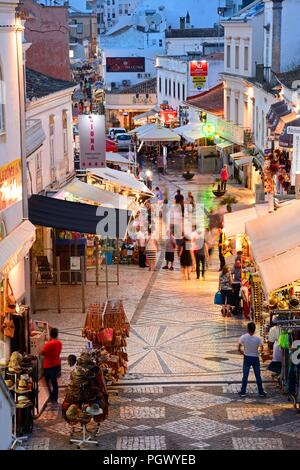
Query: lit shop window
[{"x": 2, "y": 121}]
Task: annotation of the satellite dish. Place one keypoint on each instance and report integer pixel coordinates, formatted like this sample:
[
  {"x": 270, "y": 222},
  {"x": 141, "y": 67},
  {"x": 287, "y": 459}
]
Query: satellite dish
[
  {"x": 149, "y": 20},
  {"x": 157, "y": 19}
]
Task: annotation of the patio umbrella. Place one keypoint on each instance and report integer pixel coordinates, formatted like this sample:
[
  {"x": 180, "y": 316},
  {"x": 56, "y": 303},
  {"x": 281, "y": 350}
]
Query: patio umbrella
[
  {"x": 141, "y": 129},
  {"x": 159, "y": 134}
]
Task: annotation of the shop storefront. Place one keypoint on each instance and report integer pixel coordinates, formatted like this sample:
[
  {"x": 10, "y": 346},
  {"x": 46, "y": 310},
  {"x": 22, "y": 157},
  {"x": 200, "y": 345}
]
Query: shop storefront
[{"x": 278, "y": 286}]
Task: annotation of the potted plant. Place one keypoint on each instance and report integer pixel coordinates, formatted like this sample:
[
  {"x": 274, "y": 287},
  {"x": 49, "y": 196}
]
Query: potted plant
[
  {"x": 228, "y": 201},
  {"x": 218, "y": 192},
  {"x": 187, "y": 174}
]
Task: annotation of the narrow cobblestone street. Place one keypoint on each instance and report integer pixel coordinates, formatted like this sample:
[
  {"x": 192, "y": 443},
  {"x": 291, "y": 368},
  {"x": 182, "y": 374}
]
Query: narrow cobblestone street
[{"x": 184, "y": 374}]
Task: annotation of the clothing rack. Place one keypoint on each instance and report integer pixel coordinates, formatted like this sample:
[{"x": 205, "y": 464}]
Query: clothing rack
[{"x": 289, "y": 378}]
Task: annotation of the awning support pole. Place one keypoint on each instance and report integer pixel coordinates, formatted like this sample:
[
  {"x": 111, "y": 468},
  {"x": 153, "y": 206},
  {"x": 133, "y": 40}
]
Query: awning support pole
[
  {"x": 97, "y": 261},
  {"x": 58, "y": 284},
  {"x": 118, "y": 263},
  {"x": 82, "y": 283},
  {"x": 33, "y": 284},
  {"x": 106, "y": 276}
]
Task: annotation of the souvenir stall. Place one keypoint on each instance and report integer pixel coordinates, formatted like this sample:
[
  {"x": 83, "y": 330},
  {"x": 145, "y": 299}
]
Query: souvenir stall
[
  {"x": 235, "y": 244},
  {"x": 275, "y": 246},
  {"x": 86, "y": 399},
  {"x": 107, "y": 327}
]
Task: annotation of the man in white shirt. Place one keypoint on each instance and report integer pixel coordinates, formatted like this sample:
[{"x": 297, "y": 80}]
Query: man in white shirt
[{"x": 251, "y": 345}]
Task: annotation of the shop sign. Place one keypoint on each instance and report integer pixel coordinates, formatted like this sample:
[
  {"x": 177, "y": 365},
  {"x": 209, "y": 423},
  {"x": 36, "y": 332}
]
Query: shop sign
[
  {"x": 198, "y": 68},
  {"x": 295, "y": 158},
  {"x": 75, "y": 263},
  {"x": 168, "y": 116},
  {"x": 10, "y": 184},
  {"x": 209, "y": 129},
  {"x": 198, "y": 73},
  {"x": 125, "y": 64},
  {"x": 92, "y": 141}
]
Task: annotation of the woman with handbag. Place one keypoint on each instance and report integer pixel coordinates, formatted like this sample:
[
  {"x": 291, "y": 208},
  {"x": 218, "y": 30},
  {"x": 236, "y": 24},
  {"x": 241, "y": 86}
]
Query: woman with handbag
[{"x": 225, "y": 288}]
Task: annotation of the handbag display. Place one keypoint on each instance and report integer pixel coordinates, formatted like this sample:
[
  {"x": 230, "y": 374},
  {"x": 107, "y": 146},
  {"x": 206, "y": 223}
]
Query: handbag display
[
  {"x": 218, "y": 298},
  {"x": 8, "y": 328},
  {"x": 105, "y": 335},
  {"x": 10, "y": 299}
]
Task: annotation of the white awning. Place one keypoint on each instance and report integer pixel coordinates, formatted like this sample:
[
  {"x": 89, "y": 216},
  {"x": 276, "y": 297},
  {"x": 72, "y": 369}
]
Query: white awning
[
  {"x": 141, "y": 129},
  {"x": 280, "y": 271},
  {"x": 159, "y": 134},
  {"x": 100, "y": 196},
  {"x": 224, "y": 145},
  {"x": 275, "y": 245},
  {"x": 117, "y": 158},
  {"x": 190, "y": 132},
  {"x": 235, "y": 222},
  {"x": 15, "y": 246},
  {"x": 243, "y": 161},
  {"x": 237, "y": 155},
  {"x": 121, "y": 178},
  {"x": 152, "y": 113}
]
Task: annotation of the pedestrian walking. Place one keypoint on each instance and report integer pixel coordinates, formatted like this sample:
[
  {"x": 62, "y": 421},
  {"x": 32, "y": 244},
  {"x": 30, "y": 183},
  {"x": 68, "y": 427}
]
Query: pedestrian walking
[
  {"x": 251, "y": 344},
  {"x": 221, "y": 256},
  {"x": 179, "y": 200},
  {"x": 225, "y": 287},
  {"x": 224, "y": 177},
  {"x": 141, "y": 243},
  {"x": 186, "y": 258},
  {"x": 170, "y": 251},
  {"x": 52, "y": 363},
  {"x": 210, "y": 242},
  {"x": 200, "y": 252},
  {"x": 152, "y": 248},
  {"x": 191, "y": 201}
]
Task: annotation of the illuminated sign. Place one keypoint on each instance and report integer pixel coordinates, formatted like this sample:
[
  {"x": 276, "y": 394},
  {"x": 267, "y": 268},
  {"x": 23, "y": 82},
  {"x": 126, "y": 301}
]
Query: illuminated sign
[
  {"x": 199, "y": 73},
  {"x": 125, "y": 64},
  {"x": 168, "y": 116},
  {"x": 199, "y": 68},
  {"x": 10, "y": 184},
  {"x": 92, "y": 140},
  {"x": 209, "y": 129}
]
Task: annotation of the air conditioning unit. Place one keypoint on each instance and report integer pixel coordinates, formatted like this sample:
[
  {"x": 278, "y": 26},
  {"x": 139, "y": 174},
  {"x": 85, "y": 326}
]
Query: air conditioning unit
[
  {"x": 113, "y": 85},
  {"x": 125, "y": 82}
]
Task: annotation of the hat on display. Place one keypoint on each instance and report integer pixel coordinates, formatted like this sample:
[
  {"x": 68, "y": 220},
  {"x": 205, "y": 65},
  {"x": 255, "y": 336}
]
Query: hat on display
[
  {"x": 94, "y": 410},
  {"x": 294, "y": 302},
  {"x": 72, "y": 412},
  {"x": 84, "y": 418},
  {"x": 9, "y": 383},
  {"x": 23, "y": 399},
  {"x": 283, "y": 305},
  {"x": 273, "y": 301}
]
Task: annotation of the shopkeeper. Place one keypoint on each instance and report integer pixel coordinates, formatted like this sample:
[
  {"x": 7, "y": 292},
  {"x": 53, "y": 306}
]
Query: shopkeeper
[{"x": 52, "y": 363}]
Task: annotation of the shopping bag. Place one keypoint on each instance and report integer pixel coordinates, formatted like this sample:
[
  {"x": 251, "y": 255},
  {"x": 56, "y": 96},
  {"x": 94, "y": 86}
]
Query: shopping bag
[{"x": 218, "y": 298}]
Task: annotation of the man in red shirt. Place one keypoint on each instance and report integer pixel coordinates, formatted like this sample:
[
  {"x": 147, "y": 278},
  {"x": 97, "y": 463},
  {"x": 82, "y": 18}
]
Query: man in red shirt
[{"x": 51, "y": 352}]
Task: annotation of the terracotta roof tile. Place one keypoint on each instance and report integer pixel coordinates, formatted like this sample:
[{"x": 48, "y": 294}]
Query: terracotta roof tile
[
  {"x": 148, "y": 86},
  {"x": 39, "y": 85},
  {"x": 211, "y": 100}
]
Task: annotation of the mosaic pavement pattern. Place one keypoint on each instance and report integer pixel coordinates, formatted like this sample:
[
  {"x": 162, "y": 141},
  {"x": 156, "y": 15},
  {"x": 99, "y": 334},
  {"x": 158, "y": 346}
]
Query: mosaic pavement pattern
[
  {"x": 171, "y": 419},
  {"x": 184, "y": 374}
]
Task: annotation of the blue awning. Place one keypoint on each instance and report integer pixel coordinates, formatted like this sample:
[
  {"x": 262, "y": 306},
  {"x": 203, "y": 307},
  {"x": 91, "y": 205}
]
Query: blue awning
[{"x": 77, "y": 217}]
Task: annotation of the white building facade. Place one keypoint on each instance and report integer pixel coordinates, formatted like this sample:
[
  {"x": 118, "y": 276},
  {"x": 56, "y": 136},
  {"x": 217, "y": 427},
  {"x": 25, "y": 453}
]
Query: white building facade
[
  {"x": 174, "y": 83},
  {"x": 17, "y": 234}
]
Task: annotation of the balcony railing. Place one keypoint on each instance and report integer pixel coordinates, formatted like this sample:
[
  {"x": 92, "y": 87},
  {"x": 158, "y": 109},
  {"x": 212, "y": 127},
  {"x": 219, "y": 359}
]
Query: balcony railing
[
  {"x": 234, "y": 133},
  {"x": 34, "y": 135}
]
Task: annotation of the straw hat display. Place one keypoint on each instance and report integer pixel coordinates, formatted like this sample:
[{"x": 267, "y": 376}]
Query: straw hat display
[
  {"x": 273, "y": 301},
  {"x": 294, "y": 302},
  {"x": 9, "y": 383},
  {"x": 283, "y": 305}
]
